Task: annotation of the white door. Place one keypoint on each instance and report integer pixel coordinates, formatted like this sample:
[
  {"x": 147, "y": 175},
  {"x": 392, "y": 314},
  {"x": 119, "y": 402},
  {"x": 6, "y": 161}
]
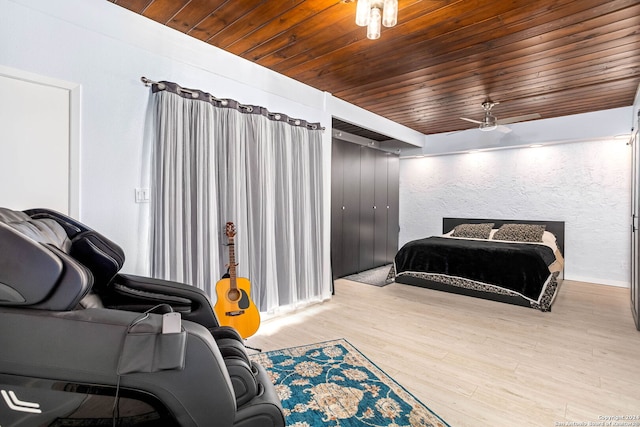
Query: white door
[{"x": 35, "y": 147}]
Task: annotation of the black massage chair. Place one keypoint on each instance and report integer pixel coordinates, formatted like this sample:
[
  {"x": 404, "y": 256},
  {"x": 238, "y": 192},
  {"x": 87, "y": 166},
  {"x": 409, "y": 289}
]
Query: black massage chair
[{"x": 83, "y": 345}]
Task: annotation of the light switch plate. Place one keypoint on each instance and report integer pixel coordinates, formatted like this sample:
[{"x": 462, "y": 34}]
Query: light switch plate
[{"x": 143, "y": 195}]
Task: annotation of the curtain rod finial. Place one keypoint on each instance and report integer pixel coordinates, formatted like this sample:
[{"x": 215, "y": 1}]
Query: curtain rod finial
[{"x": 148, "y": 82}]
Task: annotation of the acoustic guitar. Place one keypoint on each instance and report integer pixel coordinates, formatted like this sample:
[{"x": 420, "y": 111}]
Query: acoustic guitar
[{"x": 234, "y": 306}]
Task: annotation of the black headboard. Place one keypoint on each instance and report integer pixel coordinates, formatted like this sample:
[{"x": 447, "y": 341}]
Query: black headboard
[{"x": 555, "y": 227}]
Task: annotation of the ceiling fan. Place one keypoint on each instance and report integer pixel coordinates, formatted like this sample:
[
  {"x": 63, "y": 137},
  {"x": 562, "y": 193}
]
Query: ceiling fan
[{"x": 489, "y": 122}]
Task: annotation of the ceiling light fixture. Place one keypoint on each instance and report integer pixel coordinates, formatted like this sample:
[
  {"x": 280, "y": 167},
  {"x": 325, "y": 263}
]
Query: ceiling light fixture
[{"x": 372, "y": 14}]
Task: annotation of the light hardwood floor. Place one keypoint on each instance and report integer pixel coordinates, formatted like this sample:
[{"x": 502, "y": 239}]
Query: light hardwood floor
[{"x": 483, "y": 363}]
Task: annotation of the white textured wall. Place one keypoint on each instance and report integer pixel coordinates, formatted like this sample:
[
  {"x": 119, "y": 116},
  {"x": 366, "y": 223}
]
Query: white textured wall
[{"x": 585, "y": 184}]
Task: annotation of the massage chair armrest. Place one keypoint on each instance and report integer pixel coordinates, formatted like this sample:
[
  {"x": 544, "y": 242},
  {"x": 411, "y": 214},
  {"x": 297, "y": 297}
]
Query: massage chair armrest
[{"x": 139, "y": 293}]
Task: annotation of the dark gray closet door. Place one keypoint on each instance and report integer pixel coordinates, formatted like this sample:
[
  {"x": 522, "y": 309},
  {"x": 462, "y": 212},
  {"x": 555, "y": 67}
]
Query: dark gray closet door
[
  {"x": 337, "y": 194},
  {"x": 367, "y": 201},
  {"x": 351, "y": 211},
  {"x": 381, "y": 213},
  {"x": 393, "y": 201},
  {"x": 364, "y": 208}
]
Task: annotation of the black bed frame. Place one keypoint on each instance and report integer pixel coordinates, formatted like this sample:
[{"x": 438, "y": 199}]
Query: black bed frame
[{"x": 448, "y": 224}]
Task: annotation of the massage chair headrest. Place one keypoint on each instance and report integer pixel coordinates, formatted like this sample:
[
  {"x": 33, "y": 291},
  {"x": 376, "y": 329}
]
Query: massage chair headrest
[{"x": 50, "y": 261}]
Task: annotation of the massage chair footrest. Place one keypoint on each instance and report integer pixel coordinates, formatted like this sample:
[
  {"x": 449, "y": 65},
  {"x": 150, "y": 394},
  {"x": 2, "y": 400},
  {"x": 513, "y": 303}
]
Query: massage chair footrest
[{"x": 264, "y": 410}]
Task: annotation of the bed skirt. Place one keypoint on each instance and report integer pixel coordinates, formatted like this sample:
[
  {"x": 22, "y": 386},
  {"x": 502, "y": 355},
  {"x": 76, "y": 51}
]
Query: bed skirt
[{"x": 472, "y": 288}]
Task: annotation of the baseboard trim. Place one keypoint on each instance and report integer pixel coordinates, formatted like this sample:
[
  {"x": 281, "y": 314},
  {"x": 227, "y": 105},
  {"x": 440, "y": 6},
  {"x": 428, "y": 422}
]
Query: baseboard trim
[{"x": 616, "y": 283}]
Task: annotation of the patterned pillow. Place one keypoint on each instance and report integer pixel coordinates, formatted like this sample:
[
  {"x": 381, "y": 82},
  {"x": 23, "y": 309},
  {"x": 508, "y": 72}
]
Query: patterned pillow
[
  {"x": 473, "y": 231},
  {"x": 520, "y": 232}
]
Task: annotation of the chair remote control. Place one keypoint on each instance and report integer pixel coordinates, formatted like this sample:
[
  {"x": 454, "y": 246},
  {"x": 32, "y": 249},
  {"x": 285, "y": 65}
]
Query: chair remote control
[{"x": 171, "y": 323}]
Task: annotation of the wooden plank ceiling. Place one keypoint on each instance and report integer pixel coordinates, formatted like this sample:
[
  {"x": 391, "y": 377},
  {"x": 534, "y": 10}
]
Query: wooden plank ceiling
[{"x": 442, "y": 59}]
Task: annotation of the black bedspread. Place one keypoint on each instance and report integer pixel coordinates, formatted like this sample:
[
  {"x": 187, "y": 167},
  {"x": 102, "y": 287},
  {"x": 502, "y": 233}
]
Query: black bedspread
[{"x": 520, "y": 267}]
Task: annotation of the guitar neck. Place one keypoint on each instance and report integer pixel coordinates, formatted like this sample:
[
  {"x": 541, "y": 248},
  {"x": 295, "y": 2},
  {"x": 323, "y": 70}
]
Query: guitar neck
[{"x": 232, "y": 263}]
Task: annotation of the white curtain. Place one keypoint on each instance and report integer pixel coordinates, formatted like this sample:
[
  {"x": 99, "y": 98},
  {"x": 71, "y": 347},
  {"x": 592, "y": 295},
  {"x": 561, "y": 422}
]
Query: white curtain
[
  {"x": 213, "y": 164},
  {"x": 184, "y": 207}
]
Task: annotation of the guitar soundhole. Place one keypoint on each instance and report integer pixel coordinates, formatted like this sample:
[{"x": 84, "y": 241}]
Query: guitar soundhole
[{"x": 234, "y": 295}]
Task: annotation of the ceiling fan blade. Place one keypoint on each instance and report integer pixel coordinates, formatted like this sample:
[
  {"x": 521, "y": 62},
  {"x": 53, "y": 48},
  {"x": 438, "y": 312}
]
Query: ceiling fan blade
[
  {"x": 517, "y": 119},
  {"x": 471, "y": 120}
]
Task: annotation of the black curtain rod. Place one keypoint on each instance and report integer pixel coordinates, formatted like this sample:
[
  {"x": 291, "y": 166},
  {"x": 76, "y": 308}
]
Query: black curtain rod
[{"x": 197, "y": 94}]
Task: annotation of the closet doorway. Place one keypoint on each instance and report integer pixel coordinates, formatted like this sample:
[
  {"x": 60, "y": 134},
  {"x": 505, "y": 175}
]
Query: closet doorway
[{"x": 364, "y": 207}]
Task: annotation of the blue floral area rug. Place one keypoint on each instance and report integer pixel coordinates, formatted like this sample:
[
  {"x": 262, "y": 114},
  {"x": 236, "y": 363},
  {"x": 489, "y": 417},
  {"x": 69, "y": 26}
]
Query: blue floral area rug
[{"x": 333, "y": 384}]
